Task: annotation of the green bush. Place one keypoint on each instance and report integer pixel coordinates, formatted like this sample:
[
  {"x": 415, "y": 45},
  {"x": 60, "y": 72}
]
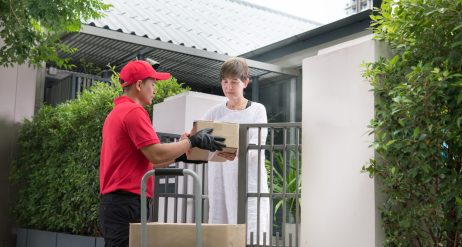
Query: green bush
[
  {"x": 58, "y": 161},
  {"x": 417, "y": 123}
]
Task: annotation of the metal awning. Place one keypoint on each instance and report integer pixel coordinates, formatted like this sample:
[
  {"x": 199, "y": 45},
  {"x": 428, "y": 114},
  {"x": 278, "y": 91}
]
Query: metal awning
[{"x": 198, "y": 69}]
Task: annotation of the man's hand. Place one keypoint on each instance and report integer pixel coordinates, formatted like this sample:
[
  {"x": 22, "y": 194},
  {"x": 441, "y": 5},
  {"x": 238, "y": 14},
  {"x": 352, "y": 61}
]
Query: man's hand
[{"x": 204, "y": 140}]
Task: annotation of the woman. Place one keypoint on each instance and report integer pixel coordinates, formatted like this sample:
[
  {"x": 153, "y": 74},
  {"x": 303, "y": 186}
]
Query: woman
[{"x": 222, "y": 176}]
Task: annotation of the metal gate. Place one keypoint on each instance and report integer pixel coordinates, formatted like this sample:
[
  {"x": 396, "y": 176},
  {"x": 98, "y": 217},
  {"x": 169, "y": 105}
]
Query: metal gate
[
  {"x": 282, "y": 157},
  {"x": 282, "y": 151}
]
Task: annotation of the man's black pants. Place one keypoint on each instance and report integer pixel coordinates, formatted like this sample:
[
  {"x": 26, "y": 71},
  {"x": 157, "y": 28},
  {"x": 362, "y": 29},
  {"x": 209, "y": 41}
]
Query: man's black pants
[{"x": 116, "y": 211}]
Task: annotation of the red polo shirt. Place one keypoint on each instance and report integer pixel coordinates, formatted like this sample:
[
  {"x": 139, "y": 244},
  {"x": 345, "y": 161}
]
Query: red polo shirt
[{"x": 126, "y": 130}]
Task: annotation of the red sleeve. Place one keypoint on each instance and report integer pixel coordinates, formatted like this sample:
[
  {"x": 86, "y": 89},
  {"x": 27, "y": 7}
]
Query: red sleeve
[{"x": 139, "y": 128}]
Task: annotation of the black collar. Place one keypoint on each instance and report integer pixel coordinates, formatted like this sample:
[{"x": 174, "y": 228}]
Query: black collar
[{"x": 248, "y": 104}]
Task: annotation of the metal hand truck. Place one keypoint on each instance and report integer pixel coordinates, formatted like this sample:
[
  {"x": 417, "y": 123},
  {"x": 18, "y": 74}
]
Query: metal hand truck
[{"x": 197, "y": 200}]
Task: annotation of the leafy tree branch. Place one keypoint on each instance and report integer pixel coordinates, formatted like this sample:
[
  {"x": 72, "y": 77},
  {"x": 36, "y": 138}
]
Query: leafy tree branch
[{"x": 30, "y": 30}]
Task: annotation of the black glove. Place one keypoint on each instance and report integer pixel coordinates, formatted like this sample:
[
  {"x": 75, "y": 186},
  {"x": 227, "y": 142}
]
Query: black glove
[
  {"x": 204, "y": 140},
  {"x": 184, "y": 158}
]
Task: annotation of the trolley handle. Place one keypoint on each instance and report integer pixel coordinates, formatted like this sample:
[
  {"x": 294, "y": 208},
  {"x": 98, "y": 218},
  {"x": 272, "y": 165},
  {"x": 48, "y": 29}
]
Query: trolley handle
[
  {"x": 169, "y": 171},
  {"x": 197, "y": 200}
]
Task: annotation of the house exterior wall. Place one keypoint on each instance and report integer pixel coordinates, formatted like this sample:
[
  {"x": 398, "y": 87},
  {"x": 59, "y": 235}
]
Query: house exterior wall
[
  {"x": 293, "y": 60},
  {"x": 17, "y": 101},
  {"x": 339, "y": 202}
]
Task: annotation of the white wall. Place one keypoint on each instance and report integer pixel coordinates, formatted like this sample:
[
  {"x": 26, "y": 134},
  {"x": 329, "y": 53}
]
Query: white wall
[
  {"x": 17, "y": 94},
  {"x": 17, "y": 101},
  {"x": 293, "y": 59},
  {"x": 177, "y": 113},
  {"x": 339, "y": 205}
]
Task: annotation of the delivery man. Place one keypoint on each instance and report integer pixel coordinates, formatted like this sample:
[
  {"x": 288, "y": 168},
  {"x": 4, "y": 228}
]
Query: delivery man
[{"x": 130, "y": 148}]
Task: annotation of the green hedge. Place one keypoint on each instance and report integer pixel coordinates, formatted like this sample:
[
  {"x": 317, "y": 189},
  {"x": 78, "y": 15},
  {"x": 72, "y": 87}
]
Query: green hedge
[
  {"x": 418, "y": 120},
  {"x": 58, "y": 161}
]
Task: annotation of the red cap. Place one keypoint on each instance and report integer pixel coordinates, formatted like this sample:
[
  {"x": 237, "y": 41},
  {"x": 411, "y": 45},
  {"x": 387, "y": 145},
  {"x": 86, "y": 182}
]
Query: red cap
[{"x": 140, "y": 70}]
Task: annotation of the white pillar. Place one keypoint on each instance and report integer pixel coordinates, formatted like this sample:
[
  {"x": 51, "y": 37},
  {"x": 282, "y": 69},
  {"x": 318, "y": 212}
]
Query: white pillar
[
  {"x": 17, "y": 101},
  {"x": 339, "y": 205},
  {"x": 17, "y": 92}
]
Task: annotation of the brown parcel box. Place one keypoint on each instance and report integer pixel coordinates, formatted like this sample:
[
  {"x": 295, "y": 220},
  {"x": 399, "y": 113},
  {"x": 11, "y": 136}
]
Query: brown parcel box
[
  {"x": 184, "y": 235},
  {"x": 230, "y": 131}
]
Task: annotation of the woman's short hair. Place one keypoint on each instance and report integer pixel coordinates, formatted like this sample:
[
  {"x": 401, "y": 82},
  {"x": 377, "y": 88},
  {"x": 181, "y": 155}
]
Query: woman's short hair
[{"x": 234, "y": 67}]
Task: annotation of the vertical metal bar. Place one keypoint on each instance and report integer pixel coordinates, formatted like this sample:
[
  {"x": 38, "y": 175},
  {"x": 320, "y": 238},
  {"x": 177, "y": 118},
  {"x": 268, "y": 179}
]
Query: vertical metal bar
[
  {"x": 197, "y": 205},
  {"x": 290, "y": 239},
  {"x": 258, "y": 186},
  {"x": 165, "y": 200},
  {"x": 194, "y": 204},
  {"x": 185, "y": 199},
  {"x": 284, "y": 187},
  {"x": 198, "y": 167},
  {"x": 277, "y": 239},
  {"x": 204, "y": 206},
  {"x": 84, "y": 84},
  {"x": 242, "y": 175},
  {"x": 73, "y": 87},
  {"x": 78, "y": 86},
  {"x": 201, "y": 189},
  {"x": 88, "y": 83},
  {"x": 155, "y": 201},
  {"x": 297, "y": 179},
  {"x": 271, "y": 186},
  {"x": 251, "y": 239},
  {"x": 144, "y": 229},
  {"x": 175, "y": 199}
]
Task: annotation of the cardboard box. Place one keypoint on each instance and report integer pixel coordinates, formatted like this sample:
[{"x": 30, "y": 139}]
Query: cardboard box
[
  {"x": 184, "y": 235},
  {"x": 230, "y": 131}
]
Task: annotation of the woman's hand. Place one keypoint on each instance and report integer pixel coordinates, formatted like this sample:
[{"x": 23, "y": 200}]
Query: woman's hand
[{"x": 184, "y": 136}]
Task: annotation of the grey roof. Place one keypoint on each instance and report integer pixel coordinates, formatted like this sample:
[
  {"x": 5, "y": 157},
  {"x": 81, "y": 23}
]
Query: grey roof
[
  {"x": 198, "y": 69},
  {"x": 229, "y": 27},
  {"x": 190, "y": 38}
]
